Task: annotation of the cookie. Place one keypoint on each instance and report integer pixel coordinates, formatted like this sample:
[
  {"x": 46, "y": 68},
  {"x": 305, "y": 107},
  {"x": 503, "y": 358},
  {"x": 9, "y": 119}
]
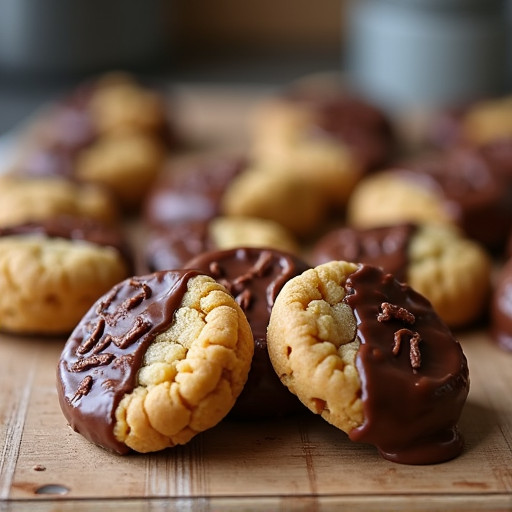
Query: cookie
[
  {"x": 172, "y": 245},
  {"x": 34, "y": 199},
  {"x": 111, "y": 131},
  {"x": 330, "y": 138},
  {"x": 255, "y": 277},
  {"x": 477, "y": 123},
  {"x": 450, "y": 270},
  {"x": 460, "y": 187},
  {"x": 53, "y": 271},
  {"x": 371, "y": 356},
  {"x": 212, "y": 186},
  {"x": 264, "y": 191},
  {"x": 155, "y": 361}
]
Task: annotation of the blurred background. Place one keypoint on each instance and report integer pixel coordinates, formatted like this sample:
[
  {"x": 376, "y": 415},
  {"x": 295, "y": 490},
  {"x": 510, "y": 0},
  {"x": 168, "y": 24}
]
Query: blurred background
[{"x": 396, "y": 52}]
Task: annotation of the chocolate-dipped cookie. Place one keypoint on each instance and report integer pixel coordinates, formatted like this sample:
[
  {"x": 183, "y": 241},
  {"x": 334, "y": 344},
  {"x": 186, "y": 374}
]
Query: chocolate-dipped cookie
[
  {"x": 255, "y": 277},
  {"x": 155, "y": 361},
  {"x": 371, "y": 356}
]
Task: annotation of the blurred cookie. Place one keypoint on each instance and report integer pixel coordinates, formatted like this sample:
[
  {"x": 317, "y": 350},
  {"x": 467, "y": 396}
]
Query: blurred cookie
[
  {"x": 371, "y": 356},
  {"x": 34, "y": 199},
  {"x": 207, "y": 187},
  {"x": 111, "y": 131},
  {"x": 52, "y": 271},
  {"x": 460, "y": 187},
  {"x": 155, "y": 361},
  {"x": 477, "y": 123},
  {"x": 326, "y": 136},
  {"x": 451, "y": 271},
  {"x": 170, "y": 246},
  {"x": 255, "y": 276}
]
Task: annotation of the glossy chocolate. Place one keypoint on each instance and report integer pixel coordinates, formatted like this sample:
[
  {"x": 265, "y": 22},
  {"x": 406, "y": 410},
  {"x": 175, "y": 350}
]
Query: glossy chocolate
[
  {"x": 414, "y": 374},
  {"x": 101, "y": 358},
  {"x": 171, "y": 246},
  {"x": 358, "y": 124},
  {"x": 193, "y": 193},
  {"x": 386, "y": 247},
  {"x": 501, "y": 308},
  {"x": 255, "y": 276},
  {"x": 474, "y": 194}
]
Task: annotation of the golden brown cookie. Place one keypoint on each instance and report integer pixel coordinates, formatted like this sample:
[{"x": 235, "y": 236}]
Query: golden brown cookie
[
  {"x": 32, "y": 199},
  {"x": 438, "y": 261},
  {"x": 155, "y": 361},
  {"x": 326, "y": 136},
  {"x": 371, "y": 356},
  {"x": 51, "y": 273},
  {"x": 263, "y": 191}
]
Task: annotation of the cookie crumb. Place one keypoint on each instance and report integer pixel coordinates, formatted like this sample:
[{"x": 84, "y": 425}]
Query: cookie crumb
[
  {"x": 390, "y": 311},
  {"x": 414, "y": 350},
  {"x": 39, "y": 467}
]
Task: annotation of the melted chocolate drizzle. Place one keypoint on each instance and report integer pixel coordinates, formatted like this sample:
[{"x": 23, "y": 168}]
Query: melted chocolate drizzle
[{"x": 410, "y": 416}]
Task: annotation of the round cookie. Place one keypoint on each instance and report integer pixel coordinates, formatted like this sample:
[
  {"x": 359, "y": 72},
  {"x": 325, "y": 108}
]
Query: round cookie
[
  {"x": 212, "y": 186},
  {"x": 460, "y": 187},
  {"x": 35, "y": 199},
  {"x": 370, "y": 355},
  {"x": 450, "y": 270},
  {"x": 170, "y": 246},
  {"x": 255, "y": 277},
  {"x": 51, "y": 273},
  {"x": 155, "y": 361},
  {"x": 327, "y": 136},
  {"x": 111, "y": 131}
]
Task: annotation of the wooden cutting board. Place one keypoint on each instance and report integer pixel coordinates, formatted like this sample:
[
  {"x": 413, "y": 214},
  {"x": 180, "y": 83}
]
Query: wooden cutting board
[{"x": 300, "y": 463}]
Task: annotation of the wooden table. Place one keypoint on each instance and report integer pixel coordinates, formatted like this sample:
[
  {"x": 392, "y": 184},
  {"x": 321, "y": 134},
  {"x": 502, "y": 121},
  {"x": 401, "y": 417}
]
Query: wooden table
[{"x": 300, "y": 463}]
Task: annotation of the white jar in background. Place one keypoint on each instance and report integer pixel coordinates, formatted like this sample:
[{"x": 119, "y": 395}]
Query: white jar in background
[{"x": 426, "y": 53}]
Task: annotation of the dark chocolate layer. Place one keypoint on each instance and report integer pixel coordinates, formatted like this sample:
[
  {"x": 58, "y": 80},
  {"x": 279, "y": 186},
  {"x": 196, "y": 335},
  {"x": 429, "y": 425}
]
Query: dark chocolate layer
[
  {"x": 255, "y": 276},
  {"x": 193, "y": 193},
  {"x": 386, "y": 247},
  {"x": 414, "y": 374},
  {"x": 101, "y": 358}
]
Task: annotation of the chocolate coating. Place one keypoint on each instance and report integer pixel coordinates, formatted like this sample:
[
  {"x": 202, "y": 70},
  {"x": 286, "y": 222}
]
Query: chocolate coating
[
  {"x": 254, "y": 277},
  {"x": 385, "y": 247},
  {"x": 414, "y": 374},
  {"x": 194, "y": 193},
  {"x": 101, "y": 358},
  {"x": 501, "y": 308},
  {"x": 474, "y": 193},
  {"x": 353, "y": 121},
  {"x": 171, "y": 246}
]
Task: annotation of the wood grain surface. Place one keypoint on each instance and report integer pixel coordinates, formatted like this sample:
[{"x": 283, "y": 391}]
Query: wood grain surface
[{"x": 300, "y": 463}]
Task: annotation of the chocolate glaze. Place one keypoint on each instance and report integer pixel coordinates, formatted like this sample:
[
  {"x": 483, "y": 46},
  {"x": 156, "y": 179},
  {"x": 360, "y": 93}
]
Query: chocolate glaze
[
  {"x": 101, "y": 358},
  {"x": 355, "y": 122},
  {"x": 414, "y": 375},
  {"x": 255, "y": 276},
  {"x": 475, "y": 195},
  {"x": 194, "y": 193},
  {"x": 171, "y": 246},
  {"x": 385, "y": 247},
  {"x": 501, "y": 308}
]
